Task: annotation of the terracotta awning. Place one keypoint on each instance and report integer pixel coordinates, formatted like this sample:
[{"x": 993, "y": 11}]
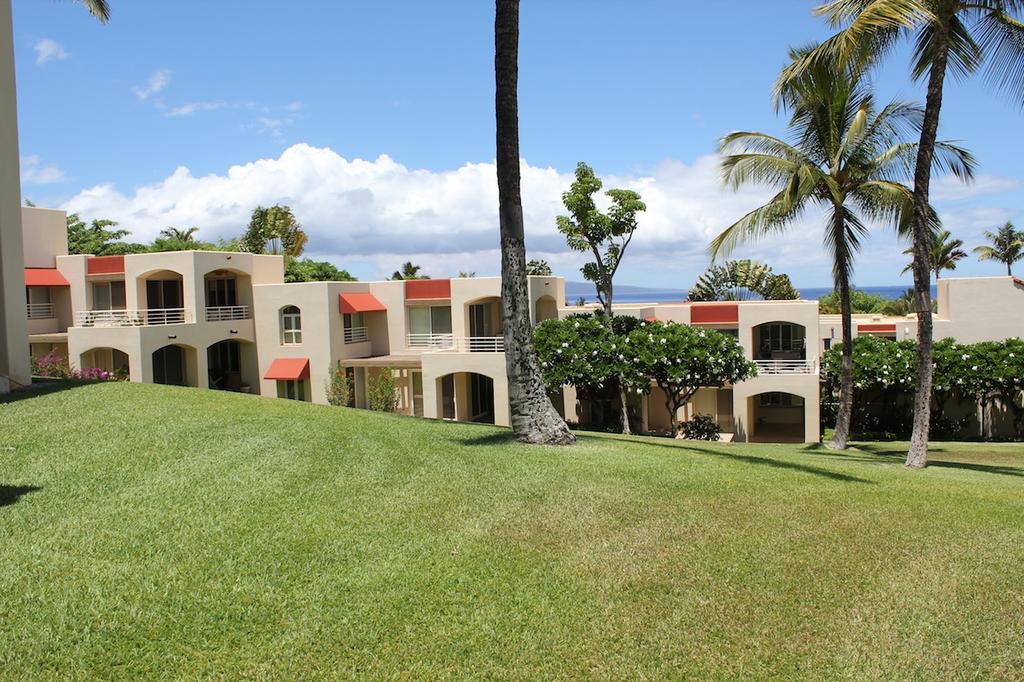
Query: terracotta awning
[
  {"x": 44, "y": 277},
  {"x": 876, "y": 328},
  {"x": 360, "y": 303},
  {"x": 288, "y": 369},
  {"x": 419, "y": 289},
  {"x": 104, "y": 265}
]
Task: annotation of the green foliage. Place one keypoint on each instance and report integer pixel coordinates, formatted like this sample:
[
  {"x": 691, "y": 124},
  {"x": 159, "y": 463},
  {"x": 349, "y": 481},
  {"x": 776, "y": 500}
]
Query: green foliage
[
  {"x": 945, "y": 251},
  {"x": 179, "y": 234},
  {"x": 701, "y": 427},
  {"x": 408, "y": 271},
  {"x": 538, "y": 267},
  {"x": 274, "y": 228},
  {"x": 309, "y": 270},
  {"x": 339, "y": 388},
  {"x": 97, "y": 239},
  {"x": 861, "y": 302},
  {"x": 467, "y": 274},
  {"x": 1007, "y": 246},
  {"x": 681, "y": 360},
  {"x": 579, "y": 351},
  {"x": 382, "y": 391},
  {"x": 741, "y": 280},
  {"x": 604, "y": 235},
  {"x": 877, "y": 363}
]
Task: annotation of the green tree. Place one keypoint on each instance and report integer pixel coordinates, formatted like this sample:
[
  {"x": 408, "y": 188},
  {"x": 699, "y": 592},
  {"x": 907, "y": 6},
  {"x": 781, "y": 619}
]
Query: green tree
[
  {"x": 179, "y": 234},
  {"x": 741, "y": 280},
  {"x": 1007, "y": 246},
  {"x": 338, "y": 387},
  {"x": 274, "y": 230},
  {"x": 681, "y": 360},
  {"x": 309, "y": 270},
  {"x": 539, "y": 268},
  {"x": 945, "y": 252},
  {"x": 861, "y": 302},
  {"x": 848, "y": 156},
  {"x": 949, "y": 35},
  {"x": 409, "y": 271},
  {"x": 534, "y": 419},
  {"x": 382, "y": 391},
  {"x": 101, "y": 237}
]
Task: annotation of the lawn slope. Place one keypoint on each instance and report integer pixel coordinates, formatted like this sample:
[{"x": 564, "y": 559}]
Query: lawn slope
[{"x": 153, "y": 531}]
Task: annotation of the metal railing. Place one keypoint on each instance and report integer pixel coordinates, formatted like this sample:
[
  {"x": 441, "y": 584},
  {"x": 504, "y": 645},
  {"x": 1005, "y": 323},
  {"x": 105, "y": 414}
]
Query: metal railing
[
  {"x": 133, "y": 318},
  {"x": 786, "y": 366},
  {"x": 479, "y": 344},
  {"x": 40, "y": 311},
  {"x": 356, "y": 335},
  {"x": 429, "y": 341},
  {"x": 223, "y": 313}
]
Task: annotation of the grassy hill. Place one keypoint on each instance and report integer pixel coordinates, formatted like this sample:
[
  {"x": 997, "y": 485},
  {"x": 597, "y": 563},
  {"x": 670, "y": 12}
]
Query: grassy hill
[{"x": 155, "y": 531}]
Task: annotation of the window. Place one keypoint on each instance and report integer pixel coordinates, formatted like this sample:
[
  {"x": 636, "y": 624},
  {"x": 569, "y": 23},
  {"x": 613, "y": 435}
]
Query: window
[
  {"x": 781, "y": 336},
  {"x": 436, "y": 319},
  {"x": 293, "y": 389},
  {"x": 777, "y": 399},
  {"x": 221, "y": 291},
  {"x": 108, "y": 295},
  {"x": 291, "y": 326},
  {"x": 828, "y": 343},
  {"x": 353, "y": 320}
]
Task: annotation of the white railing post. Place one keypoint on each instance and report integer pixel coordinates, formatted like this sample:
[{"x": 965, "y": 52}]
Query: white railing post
[
  {"x": 356, "y": 335},
  {"x": 133, "y": 318},
  {"x": 227, "y": 313},
  {"x": 785, "y": 366}
]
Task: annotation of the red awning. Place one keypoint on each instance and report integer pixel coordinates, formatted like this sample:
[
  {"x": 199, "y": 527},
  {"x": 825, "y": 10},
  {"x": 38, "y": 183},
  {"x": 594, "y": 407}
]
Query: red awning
[
  {"x": 360, "y": 303},
  {"x": 44, "y": 277},
  {"x": 428, "y": 288},
  {"x": 104, "y": 265},
  {"x": 288, "y": 369}
]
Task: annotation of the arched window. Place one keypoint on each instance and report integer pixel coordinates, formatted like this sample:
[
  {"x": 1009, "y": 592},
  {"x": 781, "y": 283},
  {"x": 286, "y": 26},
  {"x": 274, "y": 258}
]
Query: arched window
[{"x": 291, "y": 326}]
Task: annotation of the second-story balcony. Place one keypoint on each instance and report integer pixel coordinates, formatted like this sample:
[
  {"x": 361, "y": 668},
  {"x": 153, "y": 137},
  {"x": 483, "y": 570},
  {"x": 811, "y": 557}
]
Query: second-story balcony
[
  {"x": 429, "y": 341},
  {"x": 765, "y": 367},
  {"x": 458, "y": 344},
  {"x": 40, "y": 311},
  {"x": 226, "y": 313},
  {"x": 356, "y": 335},
  {"x": 133, "y": 318}
]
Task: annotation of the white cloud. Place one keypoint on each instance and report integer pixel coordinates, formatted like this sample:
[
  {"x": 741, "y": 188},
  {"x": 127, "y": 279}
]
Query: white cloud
[
  {"x": 379, "y": 213},
  {"x": 949, "y": 188},
  {"x": 49, "y": 50},
  {"x": 193, "y": 107},
  {"x": 156, "y": 82},
  {"x": 35, "y": 172}
]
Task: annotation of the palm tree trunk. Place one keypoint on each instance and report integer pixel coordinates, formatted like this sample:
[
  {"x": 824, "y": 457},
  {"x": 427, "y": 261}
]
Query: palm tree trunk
[
  {"x": 917, "y": 455},
  {"x": 845, "y": 413},
  {"x": 534, "y": 419}
]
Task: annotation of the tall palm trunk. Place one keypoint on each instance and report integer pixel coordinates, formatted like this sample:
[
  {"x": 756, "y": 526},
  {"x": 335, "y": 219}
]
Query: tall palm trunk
[
  {"x": 534, "y": 419},
  {"x": 845, "y": 412},
  {"x": 917, "y": 455}
]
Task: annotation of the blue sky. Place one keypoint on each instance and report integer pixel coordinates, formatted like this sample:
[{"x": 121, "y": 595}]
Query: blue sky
[{"x": 375, "y": 121}]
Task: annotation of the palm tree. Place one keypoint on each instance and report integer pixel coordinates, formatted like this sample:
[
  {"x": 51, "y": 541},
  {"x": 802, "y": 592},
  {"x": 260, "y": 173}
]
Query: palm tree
[
  {"x": 956, "y": 35},
  {"x": 848, "y": 157},
  {"x": 945, "y": 253},
  {"x": 98, "y": 8},
  {"x": 409, "y": 271},
  {"x": 534, "y": 419},
  {"x": 179, "y": 234},
  {"x": 1007, "y": 247}
]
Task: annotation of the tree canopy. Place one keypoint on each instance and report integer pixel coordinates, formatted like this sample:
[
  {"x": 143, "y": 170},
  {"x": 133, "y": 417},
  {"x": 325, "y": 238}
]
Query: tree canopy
[
  {"x": 274, "y": 230},
  {"x": 309, "y": 270},
  {"x": 741, "y": 280}
]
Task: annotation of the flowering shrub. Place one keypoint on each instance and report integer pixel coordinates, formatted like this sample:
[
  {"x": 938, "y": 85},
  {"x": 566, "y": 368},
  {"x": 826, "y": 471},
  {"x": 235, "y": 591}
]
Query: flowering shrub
[
  {"x": 53, "y": 366},
  {"x": 701, "y": 427}
]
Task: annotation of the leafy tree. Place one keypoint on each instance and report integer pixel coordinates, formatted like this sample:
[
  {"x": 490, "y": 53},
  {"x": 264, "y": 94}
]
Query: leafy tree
[
  {"x": 179, "y": 234},
  {"x": 469, "y": 275},
  {"x": 274, "y": 228},
  {"x": 97, "y": 238},
  {"x": 848, "y": 157},
  {"x": 382, "y": 391},
  {"x": 1007, "y": 246},
  {"x": 339, "y": 387},
  {"x": 944, "y": 254},
  {"x": 681, "y": 360},
  {"x": 604, "y": 235},
  {"x": 580, "y": 350},
  {"x": 409, "y": 271},
  {"x": 309, "y": 270},
  {"x": 538, "y": 267},
  {"x": 534, "y": 419},
  {"x": 741, "y": 280},
  {"x": 861, "y": 302},
  {"x": 957, "y": 35}
]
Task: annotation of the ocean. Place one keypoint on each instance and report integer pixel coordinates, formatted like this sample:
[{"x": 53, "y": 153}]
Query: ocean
[{"x": 633, "y": 294}]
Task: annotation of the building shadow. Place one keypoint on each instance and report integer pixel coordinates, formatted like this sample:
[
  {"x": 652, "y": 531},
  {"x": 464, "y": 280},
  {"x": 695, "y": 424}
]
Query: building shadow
[
  {"x": 38, "y": 388},
  {"x": 9, "y": 494},
  {"x": 883, "y": 453}
]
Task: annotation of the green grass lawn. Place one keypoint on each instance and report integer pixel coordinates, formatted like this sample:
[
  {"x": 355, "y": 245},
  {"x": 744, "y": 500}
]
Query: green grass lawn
[{"x": 151, "y": 531}]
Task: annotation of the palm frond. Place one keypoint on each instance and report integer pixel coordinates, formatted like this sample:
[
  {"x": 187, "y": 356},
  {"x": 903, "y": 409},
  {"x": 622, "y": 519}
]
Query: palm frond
[
  {"x": 771, "y": 218},
  {"x": 1002, "y": 40}
]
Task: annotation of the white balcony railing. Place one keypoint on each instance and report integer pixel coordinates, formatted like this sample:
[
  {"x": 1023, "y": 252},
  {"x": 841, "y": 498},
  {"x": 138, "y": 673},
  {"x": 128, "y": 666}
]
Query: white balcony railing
[
  {"x": 40, "y": 311},
  {"x": 427, "y": 341},
  {"x": 133, "y": 318},
  {"x": 479, "y": 344},
  {"x": 356, "y": 335},
  {"x": 224, "y": 313},
  {"x": 786, "y": 366}
]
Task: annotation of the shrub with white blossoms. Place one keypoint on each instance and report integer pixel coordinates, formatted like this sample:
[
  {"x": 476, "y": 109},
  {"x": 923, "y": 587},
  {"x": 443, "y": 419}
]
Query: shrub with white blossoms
[
  {"x": 681, "y": 360},
  {"x": 579, "y": 351}
]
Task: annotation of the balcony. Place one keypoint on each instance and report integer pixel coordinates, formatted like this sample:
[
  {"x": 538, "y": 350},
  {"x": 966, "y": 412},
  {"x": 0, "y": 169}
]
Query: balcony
[
  {"x": 356, "y": 335},
  {"x": 133, "y": 318},
  {"x": 226, "y": 313},
  {"x": 429, "y": 341},
  {"x": 765, "y": 367},
  {"x": 40, "y": 311},
  {"x": 456, "y": 344}
]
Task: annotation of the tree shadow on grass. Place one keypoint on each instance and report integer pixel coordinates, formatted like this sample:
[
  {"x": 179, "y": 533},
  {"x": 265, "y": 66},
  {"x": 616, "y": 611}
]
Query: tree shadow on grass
[
  {"x": 9, "y": 494},
  {"x": 38, "y": 388},
  {"x": 506, "y": 437},
  {"x": 884, "y": 454}
]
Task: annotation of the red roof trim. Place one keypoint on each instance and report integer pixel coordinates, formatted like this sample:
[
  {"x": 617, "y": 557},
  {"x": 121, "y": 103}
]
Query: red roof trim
[
  {"x": 714, "y": 313},
  {"x": 877, "y": 328},
  {"x": 288, "y": 369},
  {"x": 361, "y": 302},
  {"x": 428, "y": 288},
  {"x": 104, "y": 265},
  {"x": 45, "y": 277}
]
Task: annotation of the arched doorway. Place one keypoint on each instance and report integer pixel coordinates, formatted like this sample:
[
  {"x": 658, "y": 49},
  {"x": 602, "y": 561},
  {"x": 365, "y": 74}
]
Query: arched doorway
[
  {"x": 466, "y": 396},
  {"x": 776, "y": 417},
  {"x": 108, "y": 359},
  {"x": 173, "y": 366},
  {"x": 545, "y": 309}
]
